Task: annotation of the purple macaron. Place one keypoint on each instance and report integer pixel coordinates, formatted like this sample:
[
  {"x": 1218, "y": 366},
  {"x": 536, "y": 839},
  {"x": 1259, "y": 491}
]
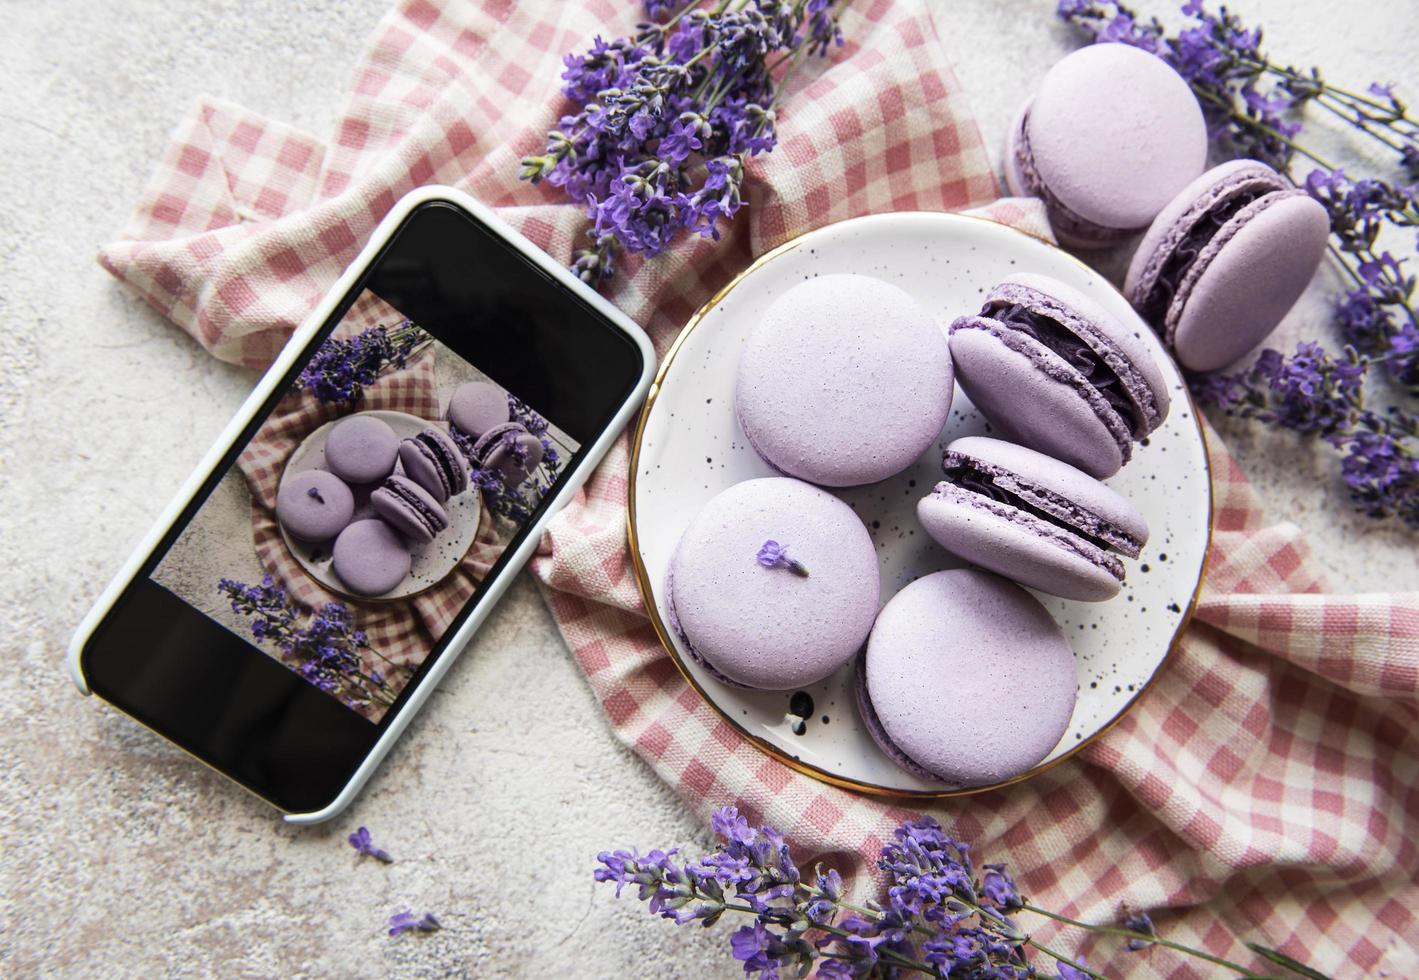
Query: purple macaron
[
  {"x": 1225, "y": 261},
  {"x": 1051, "y": 369},
  {"x": 845, "y": 380},
  {"x": 434, "y": 461},
  {"x": 314, "y": 505},
  {"x": 1112, "y": 134},
  {"x": 361, "y": 449},
  {"x": 478, "y": 406},
  {"x": 773, "y": 585},
  {"x": 409, "y": 509},
  {"x": 966, "y": 679},
  {"x": 1033, "y": 519},
  {"x": 510, "y": 450},
  {"x": 370, "y": 558}
]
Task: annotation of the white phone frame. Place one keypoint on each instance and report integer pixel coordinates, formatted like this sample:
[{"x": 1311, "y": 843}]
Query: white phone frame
[{"x": 565, "y": 488}]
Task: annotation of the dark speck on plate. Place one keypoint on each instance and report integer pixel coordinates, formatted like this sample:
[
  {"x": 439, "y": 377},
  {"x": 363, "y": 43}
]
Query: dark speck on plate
[{"x": 801, "y": 704}]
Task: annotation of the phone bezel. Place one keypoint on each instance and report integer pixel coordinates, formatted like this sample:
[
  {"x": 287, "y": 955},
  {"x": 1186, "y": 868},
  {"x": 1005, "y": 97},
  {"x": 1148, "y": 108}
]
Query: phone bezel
[{"x": 513, "y": 559}]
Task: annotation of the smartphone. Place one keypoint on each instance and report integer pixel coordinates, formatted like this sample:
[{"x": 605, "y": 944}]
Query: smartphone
[{"x": 288, "y": 660}]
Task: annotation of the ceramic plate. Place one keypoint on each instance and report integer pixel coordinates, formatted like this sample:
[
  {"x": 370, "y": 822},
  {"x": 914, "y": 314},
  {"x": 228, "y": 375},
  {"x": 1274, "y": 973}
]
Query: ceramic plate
[
  {"x": 689, "y": 447},
  {"x": 431, "y": 562}
]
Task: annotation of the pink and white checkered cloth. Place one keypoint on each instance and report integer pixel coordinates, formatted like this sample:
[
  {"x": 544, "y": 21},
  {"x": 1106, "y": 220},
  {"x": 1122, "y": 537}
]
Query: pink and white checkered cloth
[{"x": 1266, "y": 788}]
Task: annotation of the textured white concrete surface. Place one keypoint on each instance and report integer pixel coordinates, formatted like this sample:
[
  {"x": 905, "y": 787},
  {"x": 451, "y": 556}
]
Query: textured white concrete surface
[{"x": 123, "y": 858}]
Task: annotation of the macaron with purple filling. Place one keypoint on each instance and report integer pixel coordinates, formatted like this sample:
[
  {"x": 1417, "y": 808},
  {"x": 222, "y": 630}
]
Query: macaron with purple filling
[
  {"x": 478, "y": 406},
  {"x": 845, "y": 380},
  {"x": 1225, "y": 261},
  {"x": 773, "y": 585},
  {"x": 361, "y": 449},
  {"x": 409, "y": 509},
  {"x": 510, "y": 450},
  {"x": 370, "y": 558},
  {"x": 314, "y": 505},
  {"x": 1052, "y": 369},
  {"x": 966, "y": 680},
  {"x": 1033, "y": 519},
  {"x": 1112, "y": 134},
  {"x": 433, "y": 460}
]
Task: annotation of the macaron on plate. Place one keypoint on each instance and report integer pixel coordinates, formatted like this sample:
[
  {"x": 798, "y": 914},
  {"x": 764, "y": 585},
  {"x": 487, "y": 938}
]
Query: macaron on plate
[
  {"x": 430, "y": 562},
  {"x": 690, "y": 446}
]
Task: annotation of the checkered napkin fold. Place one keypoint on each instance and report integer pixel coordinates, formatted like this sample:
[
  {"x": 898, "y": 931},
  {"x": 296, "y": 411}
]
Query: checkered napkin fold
[{"x": 1266, "y": 787}]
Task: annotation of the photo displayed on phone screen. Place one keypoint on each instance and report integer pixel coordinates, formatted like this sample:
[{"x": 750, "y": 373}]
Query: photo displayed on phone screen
[{"x": 367, "y": 509}]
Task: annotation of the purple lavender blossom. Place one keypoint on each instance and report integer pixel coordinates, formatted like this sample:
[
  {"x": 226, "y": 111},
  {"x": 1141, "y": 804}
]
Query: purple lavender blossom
[
  {"x": 691, "y": 87},
  {"x": 1139, "y": 922},
  {"x": 940, "y": 920},
  {"x": 361, "y": 841},
  {"x": 401, "y": 922},
  {"x": 342, "y": 368},
  {"x": 774, "y": 555}
]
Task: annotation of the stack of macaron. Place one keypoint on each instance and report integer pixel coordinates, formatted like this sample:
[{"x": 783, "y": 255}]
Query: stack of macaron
[
  {"x": 408, "y": 482},
  {"x": 845, "y": 380},
  {"x": 1114, "y": 144},
  {"x": 480, "y": 412}
]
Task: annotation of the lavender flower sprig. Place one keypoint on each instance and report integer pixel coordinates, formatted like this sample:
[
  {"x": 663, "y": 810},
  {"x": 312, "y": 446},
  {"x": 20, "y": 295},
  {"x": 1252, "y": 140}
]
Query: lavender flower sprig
[
  {"x": 342, "y": 368},
  {"x": 325, "y": 651},
  {"x": 1252, "y": 105},
  {"x": 941, "y": 918},
  {"x": 665, "y": 119}
]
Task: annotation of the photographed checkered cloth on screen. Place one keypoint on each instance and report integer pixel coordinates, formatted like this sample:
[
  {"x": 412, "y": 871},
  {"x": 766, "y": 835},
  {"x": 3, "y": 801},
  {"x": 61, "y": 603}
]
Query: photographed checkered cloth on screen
[{"x": 1266, "y": 788}]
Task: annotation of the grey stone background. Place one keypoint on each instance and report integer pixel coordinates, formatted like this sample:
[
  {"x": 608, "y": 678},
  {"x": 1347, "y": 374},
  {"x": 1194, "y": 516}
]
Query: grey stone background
[{"x": 123, "y": 858}]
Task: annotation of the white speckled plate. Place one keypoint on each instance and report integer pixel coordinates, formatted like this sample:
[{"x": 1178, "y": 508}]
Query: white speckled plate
[
  {"x": 689, "y": 447},
  {"x": 431, "y": 562}
]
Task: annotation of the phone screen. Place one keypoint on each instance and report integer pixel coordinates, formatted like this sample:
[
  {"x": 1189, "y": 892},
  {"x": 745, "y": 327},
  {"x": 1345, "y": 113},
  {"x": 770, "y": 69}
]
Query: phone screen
[{"x": 352, "y": 526}]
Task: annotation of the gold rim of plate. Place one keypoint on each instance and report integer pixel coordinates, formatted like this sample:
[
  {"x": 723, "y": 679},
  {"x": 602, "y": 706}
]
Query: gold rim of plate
[{"x": 767, "y": 747}]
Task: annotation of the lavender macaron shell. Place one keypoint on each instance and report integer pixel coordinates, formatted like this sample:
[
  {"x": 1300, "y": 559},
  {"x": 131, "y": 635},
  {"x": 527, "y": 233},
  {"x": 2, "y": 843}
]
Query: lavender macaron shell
[
  {"x": 1033, "y": 397},
  {"x": 1018, "y": 545},
  {"x": 1114, "y": 134},
  {"x": 844, "y": 381},
  {"x": 1057, "y": 488},
  {"x": 477, "y": 406},
  {"x": 370, "y": 558},
  {"x": 434, "y": 461},
  {"x": 968, "y": 678},
  {"x": 318, "y": 516},
  {"x": 1119, "y": 343},
  {"x": 409, "y": 509},
  {"x": 770, "y": 628},
  {"x": 361, "y": 449}
]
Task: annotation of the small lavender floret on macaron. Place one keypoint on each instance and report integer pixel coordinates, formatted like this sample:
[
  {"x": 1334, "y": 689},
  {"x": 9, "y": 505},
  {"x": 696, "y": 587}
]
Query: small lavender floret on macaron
[
  {"x": 361, "y": 449},
  {"x": 740, "y": 607},
  {"x": 967, "y": 680},
  {"x": 1033, "y": 519},
  {"x": 1225, "y": 261},
  {"x": 509, "y": 450},
  {"x": 1112, "y": 134},
  {"x": 1053, "y": 370},
  {"x": 314, "y": 505},
  {"x": 844, "y": 380}
]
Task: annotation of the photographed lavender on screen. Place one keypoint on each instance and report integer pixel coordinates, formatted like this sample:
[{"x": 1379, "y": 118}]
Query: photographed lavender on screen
[
  {"x": 666, "y": 118},
  {"x": 363, "y": 843},
  {"x": 325, "y": 651},
  {"x": 401, "y": 922},
  {"x": 516, "y": 502},
  {"x": 343, "y": 367},
  {"x": 1253, "y": 107},
  {"x": 940, "y": 919}
]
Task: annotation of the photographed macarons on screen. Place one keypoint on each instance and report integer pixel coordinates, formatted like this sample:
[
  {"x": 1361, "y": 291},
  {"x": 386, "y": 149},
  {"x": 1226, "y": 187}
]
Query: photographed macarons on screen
[{"x": 365, "y": 512}]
